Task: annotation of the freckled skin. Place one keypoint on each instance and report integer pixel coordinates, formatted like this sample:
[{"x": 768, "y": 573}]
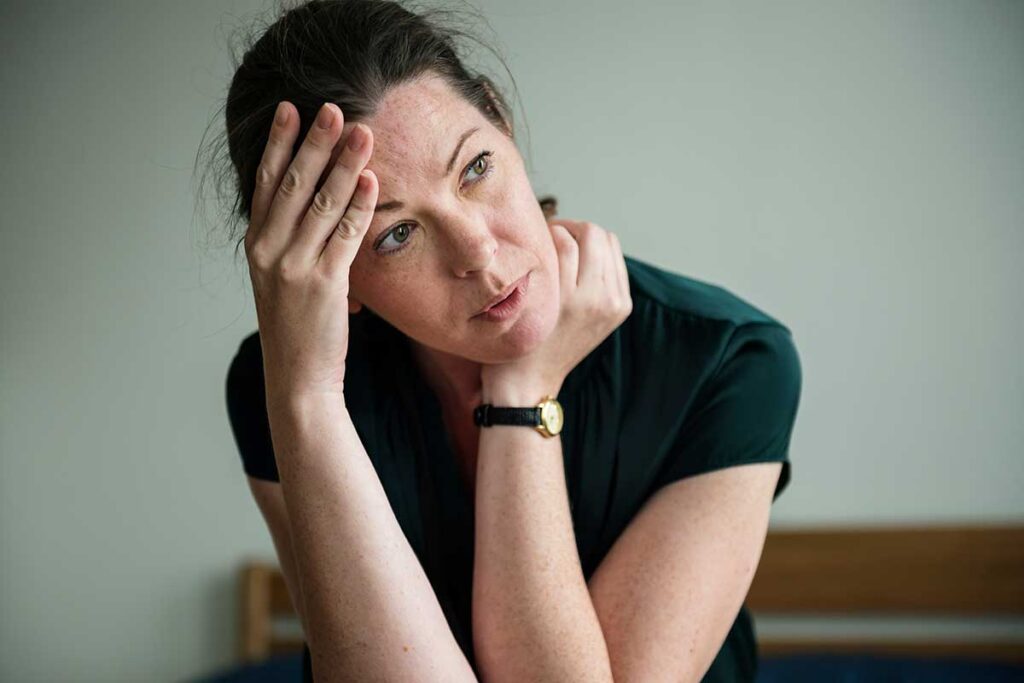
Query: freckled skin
[{"x": 472, "y": 236}]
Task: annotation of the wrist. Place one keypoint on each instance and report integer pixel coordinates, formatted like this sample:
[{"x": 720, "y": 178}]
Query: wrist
[
  {"x": 519, "y": 393},
  {"x": 303, "y": 406}
]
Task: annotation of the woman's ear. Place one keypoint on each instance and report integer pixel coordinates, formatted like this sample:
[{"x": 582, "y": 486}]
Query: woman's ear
[
  {"x": 549, "y": 205},
  {"x": 354, "y": 305}
]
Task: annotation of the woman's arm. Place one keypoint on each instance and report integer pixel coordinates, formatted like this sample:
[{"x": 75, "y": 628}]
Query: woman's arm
[
  {"x": 369, "y": 608},
  {"x": 371, "y": 611},
  {"x": 533, "y": 619}
]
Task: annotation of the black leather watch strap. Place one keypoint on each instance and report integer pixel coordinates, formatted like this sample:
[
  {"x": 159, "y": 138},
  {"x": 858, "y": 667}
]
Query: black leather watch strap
[{"x": 488, "y": 415}]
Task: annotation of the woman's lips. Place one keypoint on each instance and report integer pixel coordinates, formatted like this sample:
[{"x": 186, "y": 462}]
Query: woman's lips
[{"x": 509, "y": 305}]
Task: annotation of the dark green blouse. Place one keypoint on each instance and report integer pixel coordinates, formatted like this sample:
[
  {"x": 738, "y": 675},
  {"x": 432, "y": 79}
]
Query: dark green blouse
[{"x": 696, "y": 379}]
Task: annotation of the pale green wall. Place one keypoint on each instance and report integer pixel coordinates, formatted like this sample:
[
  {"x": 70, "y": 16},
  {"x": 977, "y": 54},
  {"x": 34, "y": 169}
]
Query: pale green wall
[{"x": 856, "y": 169}]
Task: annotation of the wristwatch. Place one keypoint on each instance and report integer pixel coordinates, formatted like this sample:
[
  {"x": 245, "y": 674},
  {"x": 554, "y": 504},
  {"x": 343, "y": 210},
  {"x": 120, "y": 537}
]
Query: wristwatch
[{"x": 546, "y": 417}]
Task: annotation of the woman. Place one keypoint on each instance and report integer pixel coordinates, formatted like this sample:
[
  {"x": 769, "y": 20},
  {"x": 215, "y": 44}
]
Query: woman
[{"x": 418, "y": 541}]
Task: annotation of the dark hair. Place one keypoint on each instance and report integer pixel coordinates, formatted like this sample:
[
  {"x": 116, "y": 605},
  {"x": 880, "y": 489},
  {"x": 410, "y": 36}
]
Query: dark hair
[{"x": 351, "y": 53}]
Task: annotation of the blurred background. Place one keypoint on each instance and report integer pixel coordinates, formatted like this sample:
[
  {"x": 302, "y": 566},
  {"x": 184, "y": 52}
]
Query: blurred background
[{"x": 854, "y": 169}]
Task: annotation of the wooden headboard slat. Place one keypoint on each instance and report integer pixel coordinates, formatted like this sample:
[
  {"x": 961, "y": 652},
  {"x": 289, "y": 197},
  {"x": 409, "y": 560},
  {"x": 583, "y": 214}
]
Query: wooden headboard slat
[
  {"x": 263, "y": 596},
  {"x": 962, "y": 570},
  {"x": 1008, "y": 652}
]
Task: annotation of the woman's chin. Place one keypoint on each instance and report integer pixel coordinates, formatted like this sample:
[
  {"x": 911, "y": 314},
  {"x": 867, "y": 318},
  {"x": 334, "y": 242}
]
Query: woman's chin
[{"x": 523, "y": 335}]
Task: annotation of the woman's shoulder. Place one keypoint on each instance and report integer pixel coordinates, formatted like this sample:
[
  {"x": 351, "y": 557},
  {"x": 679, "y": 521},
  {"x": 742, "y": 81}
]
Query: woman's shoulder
[
  {"x": 714, "y": 378},
  {"x": 681, "y": 333},
  {"x": 657, "y": 290},
  {"x": 681, "y": 329},
  {"x": 679, "y": 320}
]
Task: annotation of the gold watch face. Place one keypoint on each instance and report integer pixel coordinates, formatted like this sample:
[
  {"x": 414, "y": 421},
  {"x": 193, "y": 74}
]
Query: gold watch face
[{"x": 551, "y": 415}]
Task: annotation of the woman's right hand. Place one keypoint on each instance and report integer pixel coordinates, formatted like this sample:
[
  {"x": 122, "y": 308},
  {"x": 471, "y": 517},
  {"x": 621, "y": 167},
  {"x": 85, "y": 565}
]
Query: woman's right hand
[{"x": 300, "y": 246}]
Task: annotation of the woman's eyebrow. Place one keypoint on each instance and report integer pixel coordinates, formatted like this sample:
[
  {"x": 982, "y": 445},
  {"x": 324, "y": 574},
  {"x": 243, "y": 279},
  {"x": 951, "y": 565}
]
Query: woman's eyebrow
[{"x": 395, "y": 204}]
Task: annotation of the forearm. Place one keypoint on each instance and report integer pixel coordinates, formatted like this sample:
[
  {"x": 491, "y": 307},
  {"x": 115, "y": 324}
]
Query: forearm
[
  {"x": 533, "y": 618},
  {"x": 371, "y": 610}
]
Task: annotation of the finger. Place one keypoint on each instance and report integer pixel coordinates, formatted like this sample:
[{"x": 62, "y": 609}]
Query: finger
[
  {"x": 332, "y": 199},
  {"x": 295, "y": 185},
  {"x": 568, "y": 258},
  {"x": 336, "y": 152},
  {"x": 343, "y": 243},
  {"x": 612, "y": 274},
  {"x": 620, "y": 267},
  {"x": 276, "y": 155},
  {"x": 592, "y": 260},
  {"x": 609, "y": 273},
  {"x": 563, "y": 231},
  {"x": 568, "y": 252}
]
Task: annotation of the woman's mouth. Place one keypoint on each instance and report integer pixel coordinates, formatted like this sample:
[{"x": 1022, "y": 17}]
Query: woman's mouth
[{"x": 507, "y": 307}]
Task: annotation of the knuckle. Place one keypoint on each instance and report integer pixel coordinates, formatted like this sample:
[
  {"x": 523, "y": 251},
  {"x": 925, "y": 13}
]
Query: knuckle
[
  {"x": 324, "y": 203},
  {"x": 260, "y": 262},
  {"x": 288, "y": 270},
  {"x": 291, "y": 184},
  {"x": 347, "y": 227},
  {"x": 264, "y": 178},
  {"x": 257, "y": 255}
]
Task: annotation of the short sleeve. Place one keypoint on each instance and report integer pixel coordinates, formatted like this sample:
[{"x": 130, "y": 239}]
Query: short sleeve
[
  {"x": 746, "y": 411},
  {"x": 247, "y": 411}
]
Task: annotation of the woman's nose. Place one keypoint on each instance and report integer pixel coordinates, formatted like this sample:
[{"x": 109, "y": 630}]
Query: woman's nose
[{"x": 471, "y": 244}]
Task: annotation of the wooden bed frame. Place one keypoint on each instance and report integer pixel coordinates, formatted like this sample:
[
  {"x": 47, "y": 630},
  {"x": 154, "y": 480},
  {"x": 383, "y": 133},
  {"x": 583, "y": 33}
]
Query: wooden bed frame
[{"x": 949, "y": 571}]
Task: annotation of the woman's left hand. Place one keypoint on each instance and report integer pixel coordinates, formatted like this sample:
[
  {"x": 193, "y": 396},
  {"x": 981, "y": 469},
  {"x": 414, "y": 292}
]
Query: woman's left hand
[{"x": 595, "y": 300}]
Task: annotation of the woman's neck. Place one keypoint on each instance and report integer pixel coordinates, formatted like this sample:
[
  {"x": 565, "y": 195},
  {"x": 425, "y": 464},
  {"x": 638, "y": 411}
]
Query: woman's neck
[{"x": 454, "y": 379}]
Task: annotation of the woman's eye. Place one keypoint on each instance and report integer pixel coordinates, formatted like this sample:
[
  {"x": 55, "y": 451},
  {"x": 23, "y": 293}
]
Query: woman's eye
[
  {"x": 481, "y": 165},
  {"x": 475, "y": 165},
  {"x": 401, "y": 232}
]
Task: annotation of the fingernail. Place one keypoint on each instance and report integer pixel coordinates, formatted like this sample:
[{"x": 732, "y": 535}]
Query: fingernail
[
  {"x": 326, "y": 117},
  {"x": 281, "y": 115},
  {"x": 355, "y": 139}
]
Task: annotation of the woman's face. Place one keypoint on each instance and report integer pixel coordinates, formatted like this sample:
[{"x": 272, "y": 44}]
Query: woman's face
[{"x": 459, "y": 236}]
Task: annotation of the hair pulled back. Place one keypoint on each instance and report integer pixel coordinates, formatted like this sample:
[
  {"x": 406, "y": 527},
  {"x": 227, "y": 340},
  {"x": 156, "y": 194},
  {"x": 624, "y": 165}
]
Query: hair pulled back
[{"x": 351, "y": 53}]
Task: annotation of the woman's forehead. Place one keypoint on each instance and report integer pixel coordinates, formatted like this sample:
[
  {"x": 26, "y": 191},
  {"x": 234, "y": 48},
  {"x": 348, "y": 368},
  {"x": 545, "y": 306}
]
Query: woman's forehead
[
  {"x": 412, "y": 147},
  {"x": 416, "y": 126}
]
